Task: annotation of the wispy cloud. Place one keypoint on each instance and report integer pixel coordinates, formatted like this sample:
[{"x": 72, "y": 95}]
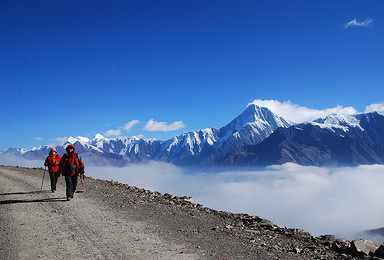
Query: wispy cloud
[
  {"x": 128, "y": 126},
  {"x": 299, "y": 114},
  {"x": 355, "y": 22},
  {"x": 112, "y": 132},
  {"x": 61, "y": 139},
  {"x": 154, "y": 126},
  {"x": 39, "y": 138},
  {"x": 379, "y": 108}
]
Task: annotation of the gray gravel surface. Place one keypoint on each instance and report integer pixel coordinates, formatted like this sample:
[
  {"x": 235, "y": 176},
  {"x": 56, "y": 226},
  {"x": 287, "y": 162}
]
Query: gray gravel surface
[{"x": 110, "y": 220}]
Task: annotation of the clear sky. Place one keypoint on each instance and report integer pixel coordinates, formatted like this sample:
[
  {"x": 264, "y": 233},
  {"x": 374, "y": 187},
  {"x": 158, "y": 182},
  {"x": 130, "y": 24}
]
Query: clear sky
[{"x": 156, "y": 69}]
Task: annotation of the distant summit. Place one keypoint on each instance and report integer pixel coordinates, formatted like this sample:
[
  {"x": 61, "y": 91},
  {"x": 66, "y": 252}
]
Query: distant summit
[{"x": 333, "y": 141}]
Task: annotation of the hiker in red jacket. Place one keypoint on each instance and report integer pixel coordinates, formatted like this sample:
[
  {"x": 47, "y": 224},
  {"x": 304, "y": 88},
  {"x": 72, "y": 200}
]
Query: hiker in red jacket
[
  {"x": 52, "y": 161},
  {"x": 70, "y": 166}
]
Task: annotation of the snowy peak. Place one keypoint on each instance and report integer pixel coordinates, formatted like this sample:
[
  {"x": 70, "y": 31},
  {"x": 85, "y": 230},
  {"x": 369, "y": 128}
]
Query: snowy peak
[
  {"x": 260, "y": 119},
  {"x": 194, "y": 142},
  {"x": 80, "y": 139},
  {"x": 258, "y": 116},
  {"x": 343, "y": 122},
  {"x": 98, "y": 137},
  {"x": 264, "y": 116}
]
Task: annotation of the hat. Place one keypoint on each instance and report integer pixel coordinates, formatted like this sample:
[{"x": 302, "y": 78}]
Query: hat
[
  {"x": 69, "y": 147},
  {"x": 53, "y": 150}
]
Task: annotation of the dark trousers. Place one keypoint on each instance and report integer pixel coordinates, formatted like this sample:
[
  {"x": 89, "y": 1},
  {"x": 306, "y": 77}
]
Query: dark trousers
[
  {"x": 54, "y": 176},
  {"x": 71, "y": 182}
]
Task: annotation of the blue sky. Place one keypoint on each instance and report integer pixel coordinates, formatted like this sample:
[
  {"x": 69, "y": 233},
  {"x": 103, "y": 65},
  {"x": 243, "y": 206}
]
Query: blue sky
[{"x": 156, "y": 69}]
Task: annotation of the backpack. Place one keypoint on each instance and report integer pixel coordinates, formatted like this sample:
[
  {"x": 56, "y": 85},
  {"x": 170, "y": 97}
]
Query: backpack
[{"x": 71, "y": 168}]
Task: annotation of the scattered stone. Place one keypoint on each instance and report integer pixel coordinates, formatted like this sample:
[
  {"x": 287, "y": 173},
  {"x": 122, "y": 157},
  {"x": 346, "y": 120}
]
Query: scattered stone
[
  {"x": 341, "y": 245},
  {"x": 297, "y": 250},
  {"x": 189, "y": 251},
  {"x": 364, "y": 247},
  {"x": 229, "y": 227}
]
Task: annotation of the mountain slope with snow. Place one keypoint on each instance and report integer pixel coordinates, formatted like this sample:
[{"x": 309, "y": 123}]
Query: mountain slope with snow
[
  {"x": 333, "y": 141},
  {"x": 250, "y": 128}
]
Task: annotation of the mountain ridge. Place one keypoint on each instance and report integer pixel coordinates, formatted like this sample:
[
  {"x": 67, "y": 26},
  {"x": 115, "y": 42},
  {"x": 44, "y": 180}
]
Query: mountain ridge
[
  {"x": 256, "y": 137},
  {"x": 317, "y": 144}
]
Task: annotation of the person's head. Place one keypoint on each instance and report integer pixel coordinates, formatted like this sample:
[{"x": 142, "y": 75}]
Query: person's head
[
  {"x": 52, "y": 151},
  {"x": 70, "y": 149}
]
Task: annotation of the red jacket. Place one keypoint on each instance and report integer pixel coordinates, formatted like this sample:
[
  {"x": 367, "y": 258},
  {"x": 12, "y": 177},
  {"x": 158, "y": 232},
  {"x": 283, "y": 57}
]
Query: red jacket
[
  {"x": 53, "y": 162},
  {"x": 69, "y": 160}
]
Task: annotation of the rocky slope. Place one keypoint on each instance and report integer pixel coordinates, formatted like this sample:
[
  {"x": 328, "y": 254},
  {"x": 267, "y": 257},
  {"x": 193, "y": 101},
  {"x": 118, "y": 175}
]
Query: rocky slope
[{"x": 129, "y": 222}]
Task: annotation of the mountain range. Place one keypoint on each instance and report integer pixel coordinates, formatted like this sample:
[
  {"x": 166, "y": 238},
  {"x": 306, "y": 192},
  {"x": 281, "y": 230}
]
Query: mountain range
[
  {"x": 333, "y": 141},
  {"x": 257, "y": 137}
]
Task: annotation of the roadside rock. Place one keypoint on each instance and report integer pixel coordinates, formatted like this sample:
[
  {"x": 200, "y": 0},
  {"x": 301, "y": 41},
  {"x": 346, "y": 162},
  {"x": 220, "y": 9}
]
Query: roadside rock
[
  {"x": 380, "y": 251},
  {"x": 364, "y": 247}
]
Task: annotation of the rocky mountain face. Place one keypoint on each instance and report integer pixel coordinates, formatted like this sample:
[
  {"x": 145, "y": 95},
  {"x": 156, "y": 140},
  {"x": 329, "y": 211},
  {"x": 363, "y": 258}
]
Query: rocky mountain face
[{"x": 333, "y": 141}]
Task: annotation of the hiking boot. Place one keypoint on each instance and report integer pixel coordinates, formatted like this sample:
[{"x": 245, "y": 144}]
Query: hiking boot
[
  {"x": 53, "y": 191},
  {"x": 69, "y": 198}
]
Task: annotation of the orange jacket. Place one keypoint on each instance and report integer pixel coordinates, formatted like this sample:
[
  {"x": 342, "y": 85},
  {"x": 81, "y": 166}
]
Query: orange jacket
[{"x": 53, "y": 162}]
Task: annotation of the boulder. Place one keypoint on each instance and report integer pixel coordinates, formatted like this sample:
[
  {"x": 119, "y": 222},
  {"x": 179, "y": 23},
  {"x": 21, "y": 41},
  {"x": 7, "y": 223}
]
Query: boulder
[
  {"x": 380, "y": 251},
  {"x": 326, "y": 240},
  {"x": 341, "y": 245},
  {"x": 364, "y": 247}
]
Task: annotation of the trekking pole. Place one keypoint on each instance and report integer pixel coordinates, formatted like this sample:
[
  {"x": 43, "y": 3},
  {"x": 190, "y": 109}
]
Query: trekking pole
[
  {"x": 82, "y": 183},
  {"x": 43, "y": 179}
]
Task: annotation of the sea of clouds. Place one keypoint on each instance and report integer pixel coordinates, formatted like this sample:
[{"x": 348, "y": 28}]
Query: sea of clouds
[{"x": 340, "y": 201}]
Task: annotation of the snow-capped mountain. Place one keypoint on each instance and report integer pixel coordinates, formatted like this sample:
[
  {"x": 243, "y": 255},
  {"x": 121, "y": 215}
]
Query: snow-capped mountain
[
  {"x": 334, "y": 121},
  {"x": 332, "y": 141},
  {"x": 257, "y": 137},
  {"x": 249, "y": 128}
]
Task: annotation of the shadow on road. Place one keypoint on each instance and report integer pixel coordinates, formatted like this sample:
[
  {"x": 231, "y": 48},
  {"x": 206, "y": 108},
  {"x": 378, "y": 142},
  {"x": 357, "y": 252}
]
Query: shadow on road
[
  {"x": 23, "y": 193},
  {"x": 62, "y": 199}
]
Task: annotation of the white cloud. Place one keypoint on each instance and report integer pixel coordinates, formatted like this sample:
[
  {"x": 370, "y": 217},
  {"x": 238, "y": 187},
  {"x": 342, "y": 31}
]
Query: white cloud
[
  {"x": 61, "y": 140},
  {"x": 153, "y": 126},
  {"x": 128, "y": 126},
  {"x": 355, "y": 22},
  {"x": 379, "y": 107},
  {"x": 112, "y": 132},
  {"x": 337, "y": 201},
  {"x": 39, "y": 138},
  {"x": 299, "y": 114}
]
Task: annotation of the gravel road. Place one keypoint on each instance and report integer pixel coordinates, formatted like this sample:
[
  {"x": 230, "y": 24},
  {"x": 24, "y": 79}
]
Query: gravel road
[{"x": 117, "y": 221}]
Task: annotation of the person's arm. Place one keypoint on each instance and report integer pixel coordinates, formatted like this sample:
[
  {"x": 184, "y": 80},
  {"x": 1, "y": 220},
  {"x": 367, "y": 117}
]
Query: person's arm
[
  {"x": 46, "y": 163},
  {"x": 61, "y": 165}
]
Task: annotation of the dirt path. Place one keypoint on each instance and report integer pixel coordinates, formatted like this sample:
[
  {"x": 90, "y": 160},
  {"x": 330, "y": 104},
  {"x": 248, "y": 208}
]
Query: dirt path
[
  {"x": 111, "y": 220},
  {"x": 44, "y": 225}
]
